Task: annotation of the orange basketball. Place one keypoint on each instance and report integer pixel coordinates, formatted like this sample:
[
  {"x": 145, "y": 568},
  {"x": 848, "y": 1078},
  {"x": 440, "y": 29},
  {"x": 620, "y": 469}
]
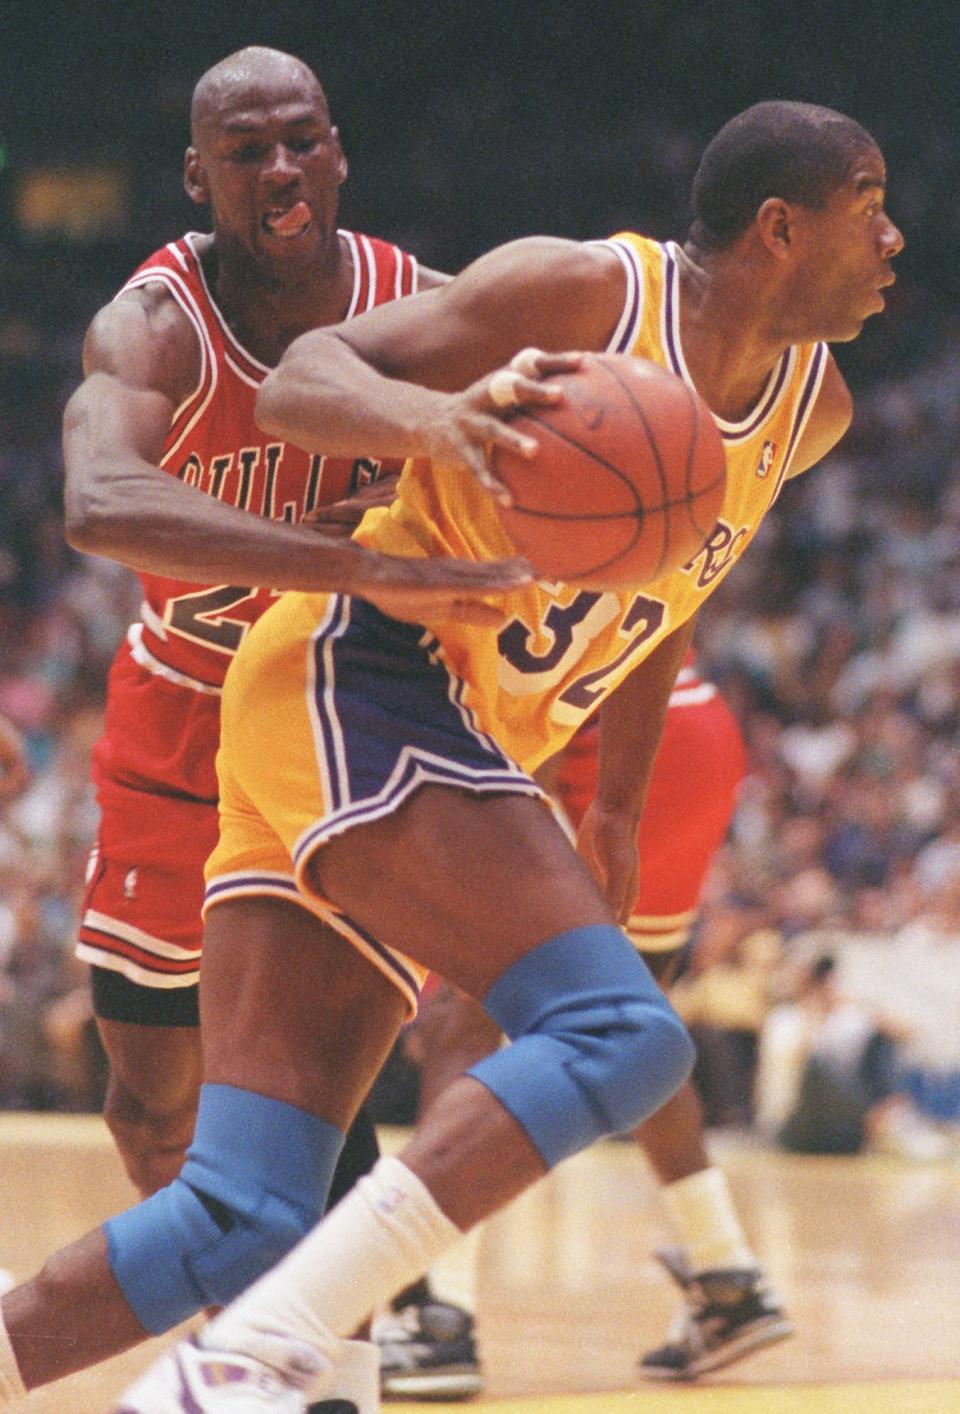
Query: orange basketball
[{"x": 628, "y": 479}]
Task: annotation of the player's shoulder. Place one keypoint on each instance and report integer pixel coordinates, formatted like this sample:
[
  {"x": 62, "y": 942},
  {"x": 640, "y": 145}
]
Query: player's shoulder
[
  {"x": 576, "y": 274},
  {"x": 145, "y": 337}
]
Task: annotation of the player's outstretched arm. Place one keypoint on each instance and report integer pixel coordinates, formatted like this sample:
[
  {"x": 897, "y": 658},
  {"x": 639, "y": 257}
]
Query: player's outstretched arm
[
  {"x": 141, "y": 362},
  {"x": 631, "y": 723},
  {"x": 412, "y": 378}
]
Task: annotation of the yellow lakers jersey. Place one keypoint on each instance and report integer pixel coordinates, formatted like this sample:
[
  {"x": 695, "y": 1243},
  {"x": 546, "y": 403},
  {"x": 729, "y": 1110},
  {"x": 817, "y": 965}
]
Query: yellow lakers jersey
[{"x": 564, "y": 648}]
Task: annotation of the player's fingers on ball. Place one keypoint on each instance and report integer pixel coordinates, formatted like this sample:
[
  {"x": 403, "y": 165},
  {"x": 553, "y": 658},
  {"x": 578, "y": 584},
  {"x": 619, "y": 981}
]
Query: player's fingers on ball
[
  {"x": 503, "y": 389},
  {"x": 536, "y": 363}
]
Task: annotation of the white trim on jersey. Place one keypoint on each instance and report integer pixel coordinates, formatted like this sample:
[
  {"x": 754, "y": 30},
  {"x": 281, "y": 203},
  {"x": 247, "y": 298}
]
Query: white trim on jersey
[
  {"x": 371, "y": 262},
  {"x": 178, "y": 255},
  {"x": 235, "y": 368},
  {"x": 625, "y": 334},
  {"x": 145, "y": 659},
  {"x": 182, "y": 294},
  {"x": 774, "y": 390},
  {"x": 224, "y": 326},
  {"x": 814, "y": 383},
  {"x": 351, "y": 240},
  {"x": 126, "y": 933},
  {"x": 692, "y": 696}
]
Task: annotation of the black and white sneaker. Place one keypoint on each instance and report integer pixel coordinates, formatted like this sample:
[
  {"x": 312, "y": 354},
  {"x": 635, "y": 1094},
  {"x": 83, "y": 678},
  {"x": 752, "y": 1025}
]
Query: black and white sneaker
[
  {"x": 727, "y": 1313},
  {"x": 427, "y": 1351}
]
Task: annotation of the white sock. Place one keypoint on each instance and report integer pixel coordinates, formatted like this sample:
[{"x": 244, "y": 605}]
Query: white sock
[
  {"x": 354, "y": 1377},
  {"x": 383, "y": 1235},
  {"x": 706, "y": 1221},
  {"x": 12, "y": 1387}
]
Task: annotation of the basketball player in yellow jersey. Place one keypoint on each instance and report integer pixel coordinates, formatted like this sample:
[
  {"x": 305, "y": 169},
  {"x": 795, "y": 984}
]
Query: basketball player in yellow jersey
[{"x": 377, "y": 773}]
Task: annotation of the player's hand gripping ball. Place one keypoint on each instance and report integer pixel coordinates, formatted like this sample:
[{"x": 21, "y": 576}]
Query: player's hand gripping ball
[{"x": 628, "y": 479}]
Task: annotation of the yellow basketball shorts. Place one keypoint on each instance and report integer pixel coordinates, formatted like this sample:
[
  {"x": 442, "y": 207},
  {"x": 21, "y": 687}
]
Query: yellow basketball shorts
[{"x": 333, "y": 714}]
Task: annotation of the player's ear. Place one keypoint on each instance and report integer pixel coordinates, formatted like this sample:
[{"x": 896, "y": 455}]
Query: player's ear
[
  {"x": 195, "y": 178},
  {"x": 774, "y": 223},
  {"x": 343, "y": 167}
]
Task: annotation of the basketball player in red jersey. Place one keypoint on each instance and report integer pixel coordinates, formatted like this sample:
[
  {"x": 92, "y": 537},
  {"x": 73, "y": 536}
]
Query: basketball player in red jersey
[
  {"x": 168, "y": 473},
  {"x": 699, "y": 765}
]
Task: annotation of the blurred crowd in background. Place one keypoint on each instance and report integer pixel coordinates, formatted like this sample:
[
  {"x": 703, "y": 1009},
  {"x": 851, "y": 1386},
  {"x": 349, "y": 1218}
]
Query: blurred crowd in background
[{"x": 824, "y": 977}]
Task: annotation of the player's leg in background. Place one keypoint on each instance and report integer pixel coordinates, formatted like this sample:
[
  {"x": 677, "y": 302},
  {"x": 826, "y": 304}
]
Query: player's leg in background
[{"x": 729, "y": 1308}]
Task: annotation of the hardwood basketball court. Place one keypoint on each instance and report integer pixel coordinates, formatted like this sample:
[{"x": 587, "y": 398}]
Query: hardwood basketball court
[{"x": 866, "y": 1252}]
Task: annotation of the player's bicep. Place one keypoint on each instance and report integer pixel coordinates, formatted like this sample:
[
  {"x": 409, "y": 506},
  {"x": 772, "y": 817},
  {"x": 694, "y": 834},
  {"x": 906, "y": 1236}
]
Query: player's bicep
[
  {"x": 107, "y": 417},
  {"x": 831, "y": 417},
  {"x": 542, "y": 292}
]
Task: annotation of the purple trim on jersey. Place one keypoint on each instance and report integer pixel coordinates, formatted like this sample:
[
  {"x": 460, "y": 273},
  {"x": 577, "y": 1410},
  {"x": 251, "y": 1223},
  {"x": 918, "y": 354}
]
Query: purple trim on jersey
[
  {"x": 811, "y": 383},
  {"x": 773, "y": 392},
  {"x": 629, "y": 335},
  {"x": 739, "y": 431},
  {"x": 245, "y": 881},
  {"x": 387, "y": 954}
]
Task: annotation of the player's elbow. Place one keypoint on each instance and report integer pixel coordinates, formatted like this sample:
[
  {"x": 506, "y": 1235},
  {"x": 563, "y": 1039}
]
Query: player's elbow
[
  {"x": 90, "y": 514},
  {"x": 270, "y": 402}
]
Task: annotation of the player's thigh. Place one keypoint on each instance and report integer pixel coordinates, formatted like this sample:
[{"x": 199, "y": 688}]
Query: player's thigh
[
  {"x": 465, "y": 884},
  {"x": 292, "y": 1010}
]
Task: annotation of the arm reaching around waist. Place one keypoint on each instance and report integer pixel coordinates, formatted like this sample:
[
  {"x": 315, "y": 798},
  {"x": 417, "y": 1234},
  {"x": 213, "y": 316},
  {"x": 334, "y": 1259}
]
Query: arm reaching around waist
[{"x": 142, "y": 360}]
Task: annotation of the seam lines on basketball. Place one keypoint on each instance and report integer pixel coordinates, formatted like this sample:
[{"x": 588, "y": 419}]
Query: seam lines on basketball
[
  {"x": 636, "y": 516},
  {"x": 605, "y": 365}
]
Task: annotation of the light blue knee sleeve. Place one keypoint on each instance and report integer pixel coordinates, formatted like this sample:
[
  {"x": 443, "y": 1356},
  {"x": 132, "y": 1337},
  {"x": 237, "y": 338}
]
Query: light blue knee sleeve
[
  {"x": 596, "y": 1045},
  {"x": 255, "y": 1181}
]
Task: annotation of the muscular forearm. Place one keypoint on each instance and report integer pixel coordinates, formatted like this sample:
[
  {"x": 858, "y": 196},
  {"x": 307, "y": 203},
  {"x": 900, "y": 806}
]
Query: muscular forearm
[
  {"x": 149, "y": 521},
  {"x": 323, "y": 396},
  {"x": 631, "y": 723}
]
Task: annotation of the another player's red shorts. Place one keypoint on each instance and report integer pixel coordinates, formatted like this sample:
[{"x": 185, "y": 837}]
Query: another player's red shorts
[
  {"x": 157, "y": 791},
  {"x": 699, "y": 766}
]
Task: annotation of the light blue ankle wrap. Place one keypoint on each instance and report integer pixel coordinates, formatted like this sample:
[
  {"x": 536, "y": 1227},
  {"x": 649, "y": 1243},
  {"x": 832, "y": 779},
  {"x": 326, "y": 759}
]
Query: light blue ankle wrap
[
  {"x": 596, "y": 1045},
  {"x": 255, "y": 1181}
]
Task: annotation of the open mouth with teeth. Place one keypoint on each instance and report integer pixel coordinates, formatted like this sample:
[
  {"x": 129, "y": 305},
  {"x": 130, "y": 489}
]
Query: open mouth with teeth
[{"x": 288, "y": 223}]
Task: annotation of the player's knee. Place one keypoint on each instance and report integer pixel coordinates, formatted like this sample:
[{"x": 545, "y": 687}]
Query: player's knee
[
  {"x": 152, "y": 1143},
  {"x": 629, "y": 1063},
  {"x": 255, "y": 1181},
  {"x": 597, "y": 1046}
]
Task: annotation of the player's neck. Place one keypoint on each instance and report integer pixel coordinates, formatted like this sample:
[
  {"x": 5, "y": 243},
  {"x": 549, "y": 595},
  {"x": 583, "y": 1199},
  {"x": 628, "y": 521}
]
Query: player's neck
[
  {"x": 267, "y": 309},
  {"x": 727, "y": 343}
]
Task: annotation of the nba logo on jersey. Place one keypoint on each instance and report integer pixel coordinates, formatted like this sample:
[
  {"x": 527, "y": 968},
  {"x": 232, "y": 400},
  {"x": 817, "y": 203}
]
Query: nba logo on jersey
[
  {"x": 130, "y": 884},
  {"x": 767, "y": 454}
]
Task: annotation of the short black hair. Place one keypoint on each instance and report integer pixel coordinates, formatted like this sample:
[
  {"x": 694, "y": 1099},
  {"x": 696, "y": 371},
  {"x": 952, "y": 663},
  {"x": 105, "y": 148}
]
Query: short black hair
[{"x": 798, "y": 151}]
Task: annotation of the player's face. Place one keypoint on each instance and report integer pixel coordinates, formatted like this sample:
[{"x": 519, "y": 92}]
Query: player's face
[
  {"x": 270, "y": 164},
  {"x": 846, "y": 250}
]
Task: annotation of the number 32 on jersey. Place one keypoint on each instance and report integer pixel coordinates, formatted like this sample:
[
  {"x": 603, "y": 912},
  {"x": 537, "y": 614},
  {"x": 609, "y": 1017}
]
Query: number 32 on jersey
[{"x": 570, "y": 635}]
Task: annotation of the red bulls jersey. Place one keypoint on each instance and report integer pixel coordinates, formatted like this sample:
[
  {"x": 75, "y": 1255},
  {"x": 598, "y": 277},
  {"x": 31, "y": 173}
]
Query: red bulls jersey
[
  {"x": 215, "y": 445},
  {"x": 163, "y": 698}
]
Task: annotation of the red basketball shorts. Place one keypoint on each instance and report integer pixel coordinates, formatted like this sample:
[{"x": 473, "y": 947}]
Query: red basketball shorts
[{"x": 698, "y": 768}]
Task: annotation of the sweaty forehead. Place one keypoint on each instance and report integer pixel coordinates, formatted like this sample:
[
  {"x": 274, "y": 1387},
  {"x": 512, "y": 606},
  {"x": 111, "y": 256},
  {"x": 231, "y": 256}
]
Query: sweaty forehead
[{"x": 244, "y": 95}]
